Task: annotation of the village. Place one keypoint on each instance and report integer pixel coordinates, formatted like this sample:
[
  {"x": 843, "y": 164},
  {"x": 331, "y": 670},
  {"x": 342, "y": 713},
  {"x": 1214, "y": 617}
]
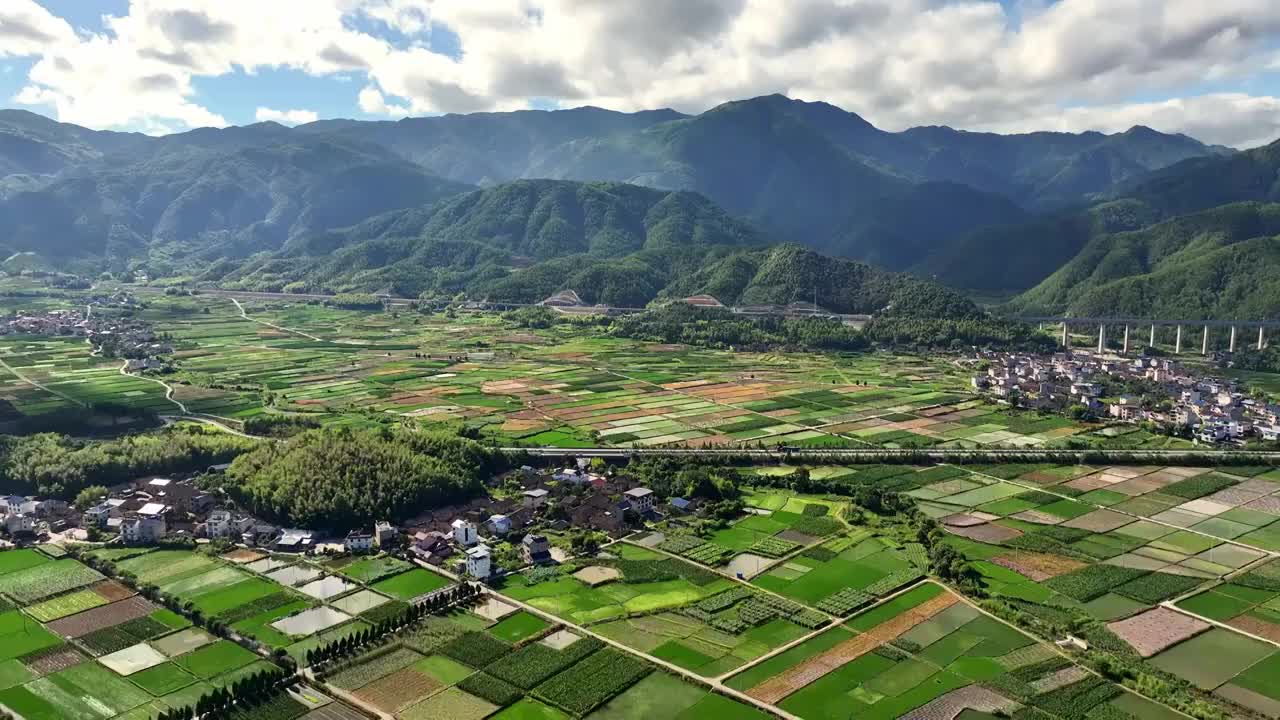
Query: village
[
  {"x": 112, "y": 334},
  {"x": 1156, "y": 390},
  {"x": 488, "y": 536}
]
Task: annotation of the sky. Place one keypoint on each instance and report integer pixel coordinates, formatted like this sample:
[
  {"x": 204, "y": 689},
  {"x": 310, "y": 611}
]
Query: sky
[{"x": 1207, "y": 68}]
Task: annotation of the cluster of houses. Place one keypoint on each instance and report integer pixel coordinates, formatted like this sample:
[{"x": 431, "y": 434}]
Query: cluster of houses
[
  {"x": 27, "y": 517},
  {"x": 152, "y": 510},
  {"x": 1214, "y": 410},
  {"x": 568, "y": 497},
  {"x": 109, "y": 333}
]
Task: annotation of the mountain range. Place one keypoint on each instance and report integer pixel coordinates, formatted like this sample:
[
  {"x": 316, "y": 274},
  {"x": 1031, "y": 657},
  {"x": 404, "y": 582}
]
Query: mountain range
[{"x": 512, "y": 204}]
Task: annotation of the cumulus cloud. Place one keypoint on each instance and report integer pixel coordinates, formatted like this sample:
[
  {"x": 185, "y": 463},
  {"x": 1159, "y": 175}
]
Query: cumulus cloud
[
  {"x": 373, "y": 102},
  {"x": 27, "y": 28},
  {"x": 286, "y": 117},
  {"x": 981, "y": 64}
]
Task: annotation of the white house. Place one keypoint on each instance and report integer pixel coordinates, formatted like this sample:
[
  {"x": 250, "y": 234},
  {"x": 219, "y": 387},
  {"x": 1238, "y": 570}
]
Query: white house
[
  {"x": 499, "y": 524},
  {"x": 153, "y": 509},
  {"x": 478, "y": 562},
  {"x": 384, "y": 534},
  {"x": 218, "y": 525},
  {"x": 98, "y": 514},
  {"x": 16, "y": 523},
  {"x": 143, "y": 529},
  {"x": 357, "y": 542},
  {"x": 13, "y": 503},
  {"x": 464, "y": 533},
  {"x": 641, "y": 499}
]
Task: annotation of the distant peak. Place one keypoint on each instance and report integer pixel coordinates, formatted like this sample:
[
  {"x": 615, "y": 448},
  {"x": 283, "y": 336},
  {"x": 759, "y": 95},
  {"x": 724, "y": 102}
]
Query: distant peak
[{"x": 1141, "y": 130}]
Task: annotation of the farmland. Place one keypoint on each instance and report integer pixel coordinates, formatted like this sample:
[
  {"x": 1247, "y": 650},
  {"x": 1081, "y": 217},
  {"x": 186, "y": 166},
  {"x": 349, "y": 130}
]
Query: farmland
[
  {"x": 560, "y": 386},
  {"x": 85, "y": 647},
  {"x": 511, "y": 663}
]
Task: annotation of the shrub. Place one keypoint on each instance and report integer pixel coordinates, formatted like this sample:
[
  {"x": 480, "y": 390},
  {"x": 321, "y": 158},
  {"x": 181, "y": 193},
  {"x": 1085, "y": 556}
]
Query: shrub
[
  {"x": 816, "y": 526},
  {"x": 593, "y": 681},
  {"x": 532, "y": 664},
  {"x": 476, "y": 649},
  {"x": 488, "y": 687},
  {"x": 815, "y": 510},
  {"x": 1196, "y": 487},
  {"x": 773, "y": 547},
  {"x": 1158, "y": 586},
  {"x": 1093, "y": 582}
]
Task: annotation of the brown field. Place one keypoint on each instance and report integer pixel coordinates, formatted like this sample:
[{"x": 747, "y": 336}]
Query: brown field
[
  {"x": 101, "y": 617},
  {"x": 243, "y": 555},
  {"x": 1037, "y": 566},
  {"x": 1256, "y": 626},
  {"x": 949, "y": 706},
  {"x": 397, "y": 690},
  {"x": 52, "y": 660},
  {"x": 776, "y": 688},
  {"x": 1156, "y": 630},
  {"x": 111, "y": 591}
]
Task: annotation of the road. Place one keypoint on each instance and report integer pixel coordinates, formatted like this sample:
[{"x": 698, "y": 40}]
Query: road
[{"x": 949, "y": 455}]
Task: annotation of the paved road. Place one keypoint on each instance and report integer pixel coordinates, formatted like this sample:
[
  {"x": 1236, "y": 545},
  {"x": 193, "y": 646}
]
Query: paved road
[{"x": 952, "y": 455}]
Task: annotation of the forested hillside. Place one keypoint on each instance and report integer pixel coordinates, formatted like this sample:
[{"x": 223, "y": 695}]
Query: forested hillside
[
  {"x": 1222, "y": 263},
  {"x": 174, "y": 209}
]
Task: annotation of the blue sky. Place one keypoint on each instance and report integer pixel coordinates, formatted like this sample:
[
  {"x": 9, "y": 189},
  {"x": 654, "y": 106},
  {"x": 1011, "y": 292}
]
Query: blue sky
[{"x": 1209, "y": 69}]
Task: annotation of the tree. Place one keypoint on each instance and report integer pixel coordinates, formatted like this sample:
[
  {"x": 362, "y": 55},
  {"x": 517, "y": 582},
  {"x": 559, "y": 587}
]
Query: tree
[{"x": 90, "y": 496}]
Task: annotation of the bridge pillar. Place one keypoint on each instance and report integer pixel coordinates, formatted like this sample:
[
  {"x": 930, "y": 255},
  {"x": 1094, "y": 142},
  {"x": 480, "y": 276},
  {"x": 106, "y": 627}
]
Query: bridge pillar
[
  {"x": 1204, "y": 341},
  {"x": 1232, "y": 346},
  {"x": 1102, "y": 339},
  {"x": 1262, "y": 343},
  {"x": 1066, "y": 339},
  {"x": 1177, "y": 342},
  {"x": 1126, "y": 340},
  {"x": 1152, "y": 342}
]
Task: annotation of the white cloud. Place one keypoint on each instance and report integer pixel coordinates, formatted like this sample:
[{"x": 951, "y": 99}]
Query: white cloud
[
  {"x": 374, "y": 103},
  {"x": 286, "y": 117},
  {"x": 27, "y": 28},
  {"x": 969, "y": 63}
]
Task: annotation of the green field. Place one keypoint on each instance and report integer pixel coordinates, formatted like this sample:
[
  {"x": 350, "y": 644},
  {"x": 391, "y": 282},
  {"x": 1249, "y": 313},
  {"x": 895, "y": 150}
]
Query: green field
[{"x": 411, "y": 584}]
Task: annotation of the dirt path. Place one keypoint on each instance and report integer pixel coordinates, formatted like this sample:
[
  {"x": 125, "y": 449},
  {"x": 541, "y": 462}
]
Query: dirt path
[
  {"x": 281, "y": 328},
  {"x": 13, "y": 371},
  {"x": 168, "y": 389}
]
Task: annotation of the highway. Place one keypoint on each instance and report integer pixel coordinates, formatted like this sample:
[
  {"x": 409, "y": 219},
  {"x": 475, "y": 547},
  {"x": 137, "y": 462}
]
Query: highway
[
  {"x": 872, "y": 454},
  {"x": 483, "y": 305}
]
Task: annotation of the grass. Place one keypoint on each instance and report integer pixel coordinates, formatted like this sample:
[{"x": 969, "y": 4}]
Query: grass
[
  {"x": 1212, "y": 658},
  {"x": 20, "y": 635},
  {"x": 518, "y": 626},
  {"x": 369, "y": 570},
  {"x": 213, "y": 660},
  {"x": 409, "y": 585},
  {"x": 660, "y": 695},
  {"x": 20, "y": 559},
  {"x": 162, "y": 679}
]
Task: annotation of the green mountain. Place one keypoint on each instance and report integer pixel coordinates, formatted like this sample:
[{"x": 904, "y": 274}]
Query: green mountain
[
  {"x": 180, "y": 206},
  {"x": 519, "y": 241},
  {"x": 309, "y": 204},
  {"x": 611, "y": 243},
  {"x": 1218, "y": 263},
  {"x": 1030, "y": 252}
]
